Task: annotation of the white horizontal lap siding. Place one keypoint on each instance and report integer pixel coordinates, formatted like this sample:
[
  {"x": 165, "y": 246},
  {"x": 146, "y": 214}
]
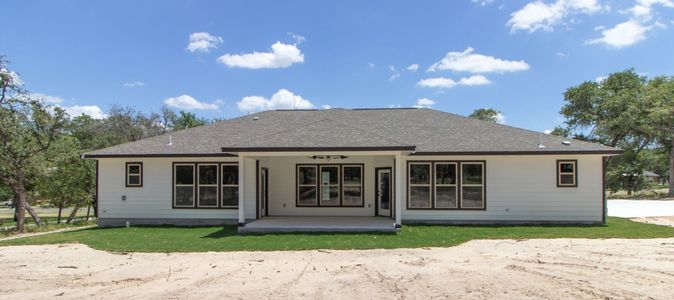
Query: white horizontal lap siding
[
  {"x": 524, "y": 188},
  {"x": 155, "y": 198},
  {"x": 282, "y": 188}
]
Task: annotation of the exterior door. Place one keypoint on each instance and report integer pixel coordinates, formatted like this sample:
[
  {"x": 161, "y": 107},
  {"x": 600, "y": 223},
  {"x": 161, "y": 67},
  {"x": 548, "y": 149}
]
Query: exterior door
[
  {"x": 384, "y": 192},
  {"x": 264, "y": 194}
]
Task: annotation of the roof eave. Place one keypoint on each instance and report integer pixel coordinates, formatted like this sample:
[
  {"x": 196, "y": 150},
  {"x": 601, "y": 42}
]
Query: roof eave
[
  {"x": 608, "y": 152},
  {"x": 302, "y": 149},
  {"x": 129, "y": 155}
]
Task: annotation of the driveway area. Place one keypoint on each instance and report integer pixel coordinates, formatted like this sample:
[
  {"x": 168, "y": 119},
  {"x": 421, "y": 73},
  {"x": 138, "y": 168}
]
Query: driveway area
[
  {"x": 480, "y": 269},
  {"x": 660, "y": 212},
  {"x": 640, "y": 208}
]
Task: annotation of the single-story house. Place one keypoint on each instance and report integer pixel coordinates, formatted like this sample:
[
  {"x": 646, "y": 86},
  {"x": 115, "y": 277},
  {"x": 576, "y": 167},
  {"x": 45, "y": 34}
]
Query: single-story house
[
  {"x": 651, "y": 177},
  {"x": 340, "y": 167}
]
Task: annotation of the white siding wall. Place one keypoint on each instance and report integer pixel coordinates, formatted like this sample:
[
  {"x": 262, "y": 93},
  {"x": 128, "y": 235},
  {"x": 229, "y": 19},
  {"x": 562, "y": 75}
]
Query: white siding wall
[
  {"x": 519, "y": 188},
  {"x": 154, "y": 199},
  {"x": 523, "y": 188}
]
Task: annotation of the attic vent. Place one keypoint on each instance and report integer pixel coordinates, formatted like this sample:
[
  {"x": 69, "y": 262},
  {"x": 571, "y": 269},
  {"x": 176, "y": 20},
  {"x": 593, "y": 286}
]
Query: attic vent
[
  {"x": 566, "y": 143},
  {"x": 256, "y": 118}
]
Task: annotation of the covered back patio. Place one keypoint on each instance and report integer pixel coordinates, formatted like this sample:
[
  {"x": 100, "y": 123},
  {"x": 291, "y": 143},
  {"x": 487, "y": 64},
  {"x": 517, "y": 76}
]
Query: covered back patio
[{"x": 320, "y": 191}]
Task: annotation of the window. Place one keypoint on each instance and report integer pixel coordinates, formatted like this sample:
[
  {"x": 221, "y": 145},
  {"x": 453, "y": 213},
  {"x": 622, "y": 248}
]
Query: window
[
  {"x": 230, "y": 185},
  {"x": 352, "y": 193},
  {"x": 183, "y": 188},
  {"x": 208, "y": 185},
  {"x": 446, "y": 191},
  {"x": 446, "y": 185},
  {"x": 329, "y": 185},
  {"x": 205, "y": 185},
  {"x": 134, "y": 174},
  {"x": 567, "y": 174},
  {"x": 419, "y": 193},
  {"x": 306, "y": 186},
  {"x": 472, "y": 185}
]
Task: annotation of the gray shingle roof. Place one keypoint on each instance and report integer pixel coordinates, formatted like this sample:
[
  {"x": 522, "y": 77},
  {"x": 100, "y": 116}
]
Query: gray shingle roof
[{"x": 424, "y": 131}]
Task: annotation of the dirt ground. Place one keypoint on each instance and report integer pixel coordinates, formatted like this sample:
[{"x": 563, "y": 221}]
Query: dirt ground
[
  {"x": 486, "y": 269},
  {"x": 667, "y": 221}
]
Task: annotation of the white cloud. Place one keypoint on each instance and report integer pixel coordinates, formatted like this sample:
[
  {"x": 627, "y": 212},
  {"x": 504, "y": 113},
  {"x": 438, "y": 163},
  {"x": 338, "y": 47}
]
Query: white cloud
[
  {"x": 188, "y": 102},
  {"x": 371, "y": 66},
  {"x": 283, "y": 99},
  {"x": 46, "y": 98},
  {"x": 413, "y": 67},
  {"x": 394, "y": 76},
  {"x": 448, "y": 83},
  {"x": 132, "y": 84},
  {"x": 424, "y": 103},
  {"x": 599, "y": 79},
  {"x": 622, "y": 35},
  {"x": 500, "y": 118},
  {"x": 482, "y": 2},
  {"x": 643, "y": 9},
  {"x": 298, "y": 38},
  {"x": 600, "y": 27},
  {"x": 326, "y": 106},
  {"x": 538, "y": 15},
  {"x": 467, "y": 61},
  {"x": 547, "y": 131},
  {"x": 203, "y": 42},
  {"x": 561, "y": 55},
  {"x": 394, "y": 106},
  {"x": 281, "y": 56},
  {"x": 90, "y": 110}
]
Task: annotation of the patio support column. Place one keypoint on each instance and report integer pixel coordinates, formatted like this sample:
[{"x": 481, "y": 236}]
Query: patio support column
[
  {"x": 242, "y": 184},
  {"x": 400, "y": 196}
]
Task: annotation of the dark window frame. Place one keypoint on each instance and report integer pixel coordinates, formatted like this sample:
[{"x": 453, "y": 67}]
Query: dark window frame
[
  {"x": 317, "y": 167},
  {"x": 559, "y": 173},
  {"x": 459, "y": 185},
  {"x": 195, "y": 168},
  {"x": 140, "y": 175}
]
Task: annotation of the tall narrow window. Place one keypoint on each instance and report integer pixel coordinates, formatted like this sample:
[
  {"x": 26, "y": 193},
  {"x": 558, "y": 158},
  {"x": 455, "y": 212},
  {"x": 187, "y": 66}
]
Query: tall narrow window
[
  {"x": 208, "y": 185},
  {"x": 230, "y": 185},
  {"x": 472, "y": 185},
  {"x": 307, "y": 194},
  {"x": 419, "y": 193},
  {"x": 134, "y": 174},
  {"x": 329, "y": 192},
  {"x": 183, "y": 189},
  {"x": 352, "y": 183},
  {"x": 446, "y": 192},
  {"x": 567, "y": 174}
]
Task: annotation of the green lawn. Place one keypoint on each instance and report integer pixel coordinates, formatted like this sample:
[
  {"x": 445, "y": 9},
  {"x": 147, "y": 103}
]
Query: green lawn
[{"x": 194, "y": 239}]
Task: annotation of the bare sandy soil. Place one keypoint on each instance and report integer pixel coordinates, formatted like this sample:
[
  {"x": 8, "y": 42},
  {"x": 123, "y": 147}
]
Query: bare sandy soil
[
  {"x": 667, "y": 221},
  {"x": 558, "y": 269}
]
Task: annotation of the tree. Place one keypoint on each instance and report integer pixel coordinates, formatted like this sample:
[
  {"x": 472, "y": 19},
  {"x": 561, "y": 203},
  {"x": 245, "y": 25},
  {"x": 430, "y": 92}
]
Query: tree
[
  {"x": 613, "y": 112},
  {"x": 660, "y": 93},
  {"x": 487, "y": 114},
  {"x": 27, "y": 130},
  {"x": 167, "y": 118},
  {"x": 188, "y": 120},
  {"x": 69, "y": 179},
  {"x": 125, "y": 124}
]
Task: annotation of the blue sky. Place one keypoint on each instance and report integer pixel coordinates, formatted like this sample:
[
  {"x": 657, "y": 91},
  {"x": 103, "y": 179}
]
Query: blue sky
[{"x": 225, "y": 59}]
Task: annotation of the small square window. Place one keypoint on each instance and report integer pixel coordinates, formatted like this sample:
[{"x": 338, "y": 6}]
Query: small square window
[
  {"x": 567, "y": 173},
  {"x": 134, "y": 174}
]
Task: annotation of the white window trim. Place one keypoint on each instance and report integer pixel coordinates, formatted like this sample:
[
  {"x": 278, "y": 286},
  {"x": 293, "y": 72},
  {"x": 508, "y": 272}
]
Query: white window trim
[
  {"x": 175, "y": 185},
  {"x": 472, "y": 185},
  {"x": 573, "y": 174},
  {"x": 344, "y": 184},
  {"x": 436, "y": 185},
  {"x": 139, "y": 174},
  {"x": 429, "y": 184},
  {"x": 315, "y": 167},
  {"x": 329, "y": 185},
  {"x": 199, "y": 185},
  {"x": 223, "y": 186}
]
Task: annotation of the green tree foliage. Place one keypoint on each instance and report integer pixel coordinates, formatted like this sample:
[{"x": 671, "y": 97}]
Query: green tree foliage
[
  {"x": 486, "y": 114},
  {"x": 660, "y": 92},
  {"x": 188, "y": 120},
  {"x": 27, "y": 130}
]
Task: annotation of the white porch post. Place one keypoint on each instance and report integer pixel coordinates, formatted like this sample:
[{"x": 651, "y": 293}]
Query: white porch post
[
  {"x": 400, "y": 196},
  {"x": 242, "y": 167}
]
